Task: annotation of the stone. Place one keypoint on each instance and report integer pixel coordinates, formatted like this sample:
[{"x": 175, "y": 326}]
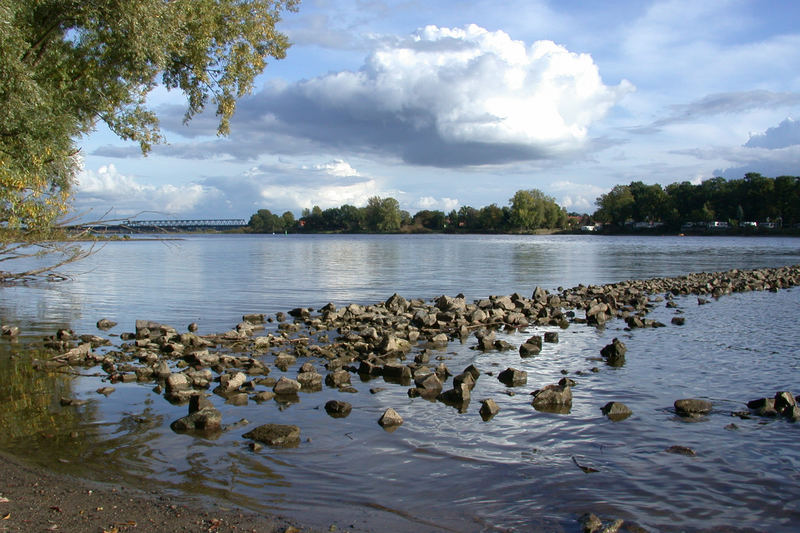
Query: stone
[
  {"x": 472, "y": 369},
  {"x": 264, "y": 396},
  {"x": 337, "y": 378},
  {"x": 590, "y": 523},
  {"x": 784, "y": 401},
  {"x": 202, "y": 416},
  {"x": 396, "y": 371},
  {"x": 231, "y": 382},
  {"x": 338, "y": 409},
  {"x": 616, "y": 411},
  {"x": 277, "y": 435},
  {"x": 465, "y": 378},
  {"x": 488, "y": 409},
  {"x": 614, "y": 353},
  {"x": 310, "y": 381},
  {"x": 459, "y": 395},
  {"x": 512, "y": 377},
  {"x": 390, "y": 418},
  {"x": 286, "y": 386},
  {"x": 105, "y": 323},
  {"x": 692, "y": 407},
  {"x": 681, "y": 450},
  {"x": 527, "y": 349},
  {"x": 178, "y": 382},
  {"x": 551, "y": 337},
  {"x": 553, "y": 398},
  {"x": 678, "y": 320}
]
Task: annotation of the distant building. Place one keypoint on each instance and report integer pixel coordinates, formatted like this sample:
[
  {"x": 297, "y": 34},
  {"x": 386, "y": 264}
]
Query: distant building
[{"x": 717, "y": 224}]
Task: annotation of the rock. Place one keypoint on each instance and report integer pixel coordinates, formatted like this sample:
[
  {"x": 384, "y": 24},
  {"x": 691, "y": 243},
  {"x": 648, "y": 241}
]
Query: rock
[
  {"x": 310, "y": 381},
  {"x": 616, "y": 411},
  {"x": 254, "y": 318},
  {"x": 286, "y": 386},
  {"x": 692, "y": 407},
  {"x": 488, "y": 409},
  {"x": 551, "y": 337},
  {"x": 390, "y": 418},
  {"x": 105, "y": 323},
  {"x": 465, "y": 378},
  {"x": 553, "y": 398},
  {"x": 681, "y": 450},
  {"x": 278, "y": 435},
  {"x": 193, "y": 327},
  {"x": 527, "y": 349},
  {"x": 338, "y": 409},
  {"x": 459, "y": 395},
  {"x": 105, "y": 391},
  {"x": 678, "y": 320},
  {"x": 590, "y": 523},
  {"x": 202, "y": 416},
  {"x": 9, "y": 331},
  {"x": 474, "y": 371},
  {"x": 512, "y": 377},
  {"x": 264, "y": 396},
  {"x": 231, "y": 382},
  {"x": 178, "y": 382},
  {"x": 614, "y": 353},
  {"x": 396, "y": 371},
  {"x": 337, "y": 378},
  {"x": 784, "y": 401}
]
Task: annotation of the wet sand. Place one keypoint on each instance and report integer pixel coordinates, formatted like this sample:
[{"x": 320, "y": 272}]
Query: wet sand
[{"x": 32, "y": 499}]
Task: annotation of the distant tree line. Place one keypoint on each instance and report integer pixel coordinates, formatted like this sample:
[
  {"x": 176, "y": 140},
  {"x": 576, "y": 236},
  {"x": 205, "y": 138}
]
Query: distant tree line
[
  {"x": 528, "y": 210},
  {"x": 754, "y": 198}
]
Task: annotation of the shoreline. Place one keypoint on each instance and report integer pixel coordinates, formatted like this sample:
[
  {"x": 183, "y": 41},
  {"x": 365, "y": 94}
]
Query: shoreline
[{"x": 34, "y": 499}]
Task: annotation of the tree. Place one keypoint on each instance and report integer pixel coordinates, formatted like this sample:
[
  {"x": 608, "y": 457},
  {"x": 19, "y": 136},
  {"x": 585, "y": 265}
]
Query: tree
[
  {"x": 66, "y": 65},
  {"x": 383, "y": 214},
  {"x": 616, "y": 206},
  {"x": 532, "y": 209}
]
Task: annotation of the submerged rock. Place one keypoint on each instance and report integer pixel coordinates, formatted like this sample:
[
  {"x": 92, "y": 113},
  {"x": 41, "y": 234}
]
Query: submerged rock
[
  {"x": 278, "y": 435},
  {"x": 616, "y": 411},
  {"x": 692, "y": 407},
  {"x": 614, "y": 353}
]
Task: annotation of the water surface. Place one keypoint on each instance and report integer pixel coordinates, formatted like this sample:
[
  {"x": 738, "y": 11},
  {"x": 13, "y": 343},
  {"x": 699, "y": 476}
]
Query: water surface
[{"x": 441, "y": 470}]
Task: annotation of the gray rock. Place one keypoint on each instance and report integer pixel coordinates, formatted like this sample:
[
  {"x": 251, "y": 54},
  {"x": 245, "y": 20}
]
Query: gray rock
[
  {"x": 512, "y": 377},
  {"x": 338, "y": 409},
  {"x": 278, "y": 435},
  {"x": 286, "y": 386},
  {"x": 614, "y": 353},
  {"x": 231, "y": 382},
  {"x": 692, "y": 407},
  {"x": 105, "y": 323},
  {"x": 390, "y": 418},
  {"x": 337, "y": 378},
  {"x": 616, "y": 411},
  {"x": 551, "y": 337},
  {"x": 488, "y": 409},
  {"x": 552, "y": 398}
]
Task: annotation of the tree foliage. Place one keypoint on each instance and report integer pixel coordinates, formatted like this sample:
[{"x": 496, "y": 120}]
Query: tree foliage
[
  {"x": 754, "y": 198},
  {"x": 65, "y": 65}
]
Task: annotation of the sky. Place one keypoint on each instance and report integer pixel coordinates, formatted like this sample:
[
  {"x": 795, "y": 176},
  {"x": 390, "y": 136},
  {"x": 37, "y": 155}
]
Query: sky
[{"x": 462, "y": 103}]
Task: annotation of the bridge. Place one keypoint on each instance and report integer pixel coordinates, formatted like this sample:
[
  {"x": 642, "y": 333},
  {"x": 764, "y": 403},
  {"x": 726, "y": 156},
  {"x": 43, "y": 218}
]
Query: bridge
[{"x": 171, "y": 225}]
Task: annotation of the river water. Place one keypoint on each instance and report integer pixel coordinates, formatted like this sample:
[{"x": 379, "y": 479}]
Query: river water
[{"x": 442, "y": 470}]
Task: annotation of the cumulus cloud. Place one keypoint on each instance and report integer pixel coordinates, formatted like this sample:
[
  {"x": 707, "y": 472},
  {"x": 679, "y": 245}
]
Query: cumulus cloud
[
  {"x": 787, "y": 133},
  {"x": 433, "y": 204},
  {"x": 107, "y": 188},
  {"x": 577, "y": 197},
  {"x": 440, "y": 97}
]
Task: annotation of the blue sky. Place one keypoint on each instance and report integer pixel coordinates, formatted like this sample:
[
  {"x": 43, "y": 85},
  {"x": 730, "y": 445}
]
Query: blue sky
[{"x": 452, "y": 103}]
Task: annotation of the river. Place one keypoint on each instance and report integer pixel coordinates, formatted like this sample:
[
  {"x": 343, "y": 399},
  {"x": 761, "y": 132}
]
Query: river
[{"x": 442, "y": 470}]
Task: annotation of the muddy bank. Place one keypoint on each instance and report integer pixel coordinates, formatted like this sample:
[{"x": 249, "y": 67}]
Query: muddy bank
[{"x": 32, "y": 499}]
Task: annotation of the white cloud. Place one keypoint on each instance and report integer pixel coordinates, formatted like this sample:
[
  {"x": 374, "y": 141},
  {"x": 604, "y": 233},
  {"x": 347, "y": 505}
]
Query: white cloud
[
  {"x": 787, "y": 133},
  {"x": 446, "y": 97},
  {"x": 432, "y": 204},
  {"x": 107, "y": 188},
  {"x": 578, "y": 197}
]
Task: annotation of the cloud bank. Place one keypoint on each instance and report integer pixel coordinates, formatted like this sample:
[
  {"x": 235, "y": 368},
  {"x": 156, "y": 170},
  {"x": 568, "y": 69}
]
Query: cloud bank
[{"x": 440, "y": 97}]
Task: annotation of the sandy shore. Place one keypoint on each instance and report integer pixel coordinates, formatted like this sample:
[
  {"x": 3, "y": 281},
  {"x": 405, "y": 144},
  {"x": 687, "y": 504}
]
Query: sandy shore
[{"x": 32, "y": 499}]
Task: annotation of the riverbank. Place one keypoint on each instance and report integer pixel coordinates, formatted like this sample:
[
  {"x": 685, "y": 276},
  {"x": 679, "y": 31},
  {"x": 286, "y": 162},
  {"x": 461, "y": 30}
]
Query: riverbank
[{"x": 33, "y": 499}]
